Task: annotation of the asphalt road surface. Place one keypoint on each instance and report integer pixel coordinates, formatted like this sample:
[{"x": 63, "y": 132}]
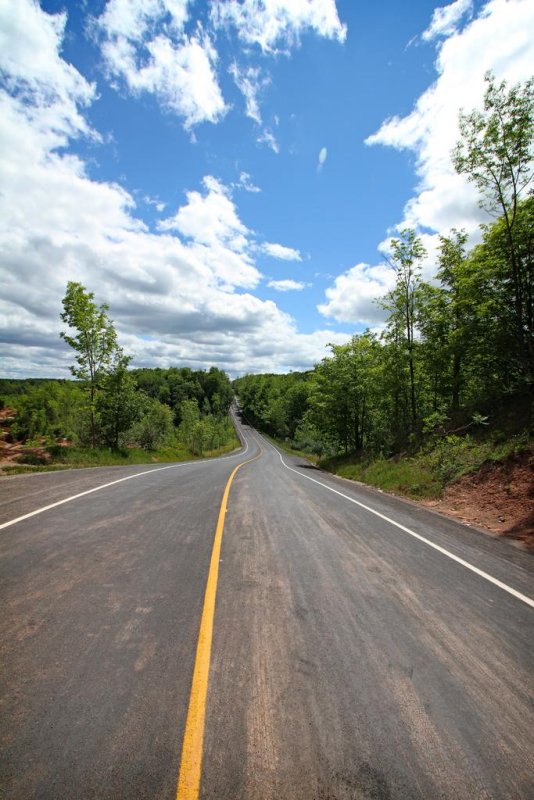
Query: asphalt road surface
[{"x": 362, "y": 647}]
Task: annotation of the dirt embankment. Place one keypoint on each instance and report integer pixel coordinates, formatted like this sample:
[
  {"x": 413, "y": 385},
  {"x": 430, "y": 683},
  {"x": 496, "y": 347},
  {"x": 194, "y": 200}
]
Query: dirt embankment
[
  {"x": 13, "y": 453},
  {"x": 499, "y": 497}
]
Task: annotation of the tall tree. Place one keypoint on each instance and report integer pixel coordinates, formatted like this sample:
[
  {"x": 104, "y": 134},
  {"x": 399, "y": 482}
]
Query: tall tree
[
  {"x": 94, "y": 340},
  {"x": 119, "y": 404},
  {"x": 495, "y": 151},
  {"x": 344, "y": 401},
  {"x": 402, "y": 301},
  {"x": 452, "y": 254}
]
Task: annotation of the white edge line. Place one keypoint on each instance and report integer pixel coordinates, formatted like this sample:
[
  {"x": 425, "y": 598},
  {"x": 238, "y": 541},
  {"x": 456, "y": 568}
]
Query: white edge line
[
  {"x": 121, "y": 480},
  {"x": 466, "y": 564}
]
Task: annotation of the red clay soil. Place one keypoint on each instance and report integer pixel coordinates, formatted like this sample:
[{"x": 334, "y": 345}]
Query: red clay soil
[
  {"x": 499, "y": 497},
  {"x": 7, "y": 413},
  {"x": 12, "y": 452}
]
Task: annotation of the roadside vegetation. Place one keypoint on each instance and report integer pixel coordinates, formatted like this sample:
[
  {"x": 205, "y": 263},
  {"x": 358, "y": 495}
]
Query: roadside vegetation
[
  {"x": 46, "y": 425},
  {"x": 111, "y": 414},
  {"x": 447, "y": 386}
]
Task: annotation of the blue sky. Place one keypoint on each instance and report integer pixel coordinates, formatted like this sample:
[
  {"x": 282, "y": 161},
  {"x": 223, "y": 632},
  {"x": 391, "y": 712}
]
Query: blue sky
[{"x": 226, "y": 175}]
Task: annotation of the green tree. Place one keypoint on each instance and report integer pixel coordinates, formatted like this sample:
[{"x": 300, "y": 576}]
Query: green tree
[
  {"x": 190, "y": 416},
  {"x": 443, "y": 323},
  {"x": 495, "y": 152},
  {"x": 155, "y": 426},
  {"x": 94, "y": 340},
  {"x": 344, "y": 403},
  {"x": 119, "y": 404},
  {"x": 50, "y": 409},
  {"x": 452, "y": 255},
  {"x": 402, "y": 303}
]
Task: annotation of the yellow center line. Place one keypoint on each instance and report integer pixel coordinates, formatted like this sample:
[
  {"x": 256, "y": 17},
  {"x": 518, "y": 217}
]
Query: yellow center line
[{"x": 191, "y": 761}]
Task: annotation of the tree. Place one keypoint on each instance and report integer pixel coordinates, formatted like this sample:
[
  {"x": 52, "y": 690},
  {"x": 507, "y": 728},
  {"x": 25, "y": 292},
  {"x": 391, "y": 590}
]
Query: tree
[
  {"x": 495, "y": 152},
  {"x": 493, "y": 296},
  {"x": 119, "y": 404},
  {"x": 402, "y": 302},
  {"x": 443, "y": 321},
  {"x": 344, "y": 403},
  {"x": 155, "y": 427},
  {"x": 95, "y": 341},
  {"x": 190, "y": 416}
]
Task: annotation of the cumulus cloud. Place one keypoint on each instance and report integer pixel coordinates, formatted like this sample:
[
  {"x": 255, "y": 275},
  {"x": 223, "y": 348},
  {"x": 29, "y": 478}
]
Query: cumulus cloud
[
  {"x": 178, "y": 296},
  {"x": 446, "y": 19},
  {"x": 288, "y": 285},
  {"x": 210, "y": 218},
  {"x": 145, "y": 44},
  {"x": 279, "y": 251},
  {"x": 499, "y": 40},
  {"x": 278, "y": 24},
  {"x": 32, "y": 68},
  {"x": 353, "y": 296}
]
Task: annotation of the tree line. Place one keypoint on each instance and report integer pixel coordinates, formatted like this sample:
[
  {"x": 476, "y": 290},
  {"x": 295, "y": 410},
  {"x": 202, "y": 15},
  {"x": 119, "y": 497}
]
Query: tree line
[
  {"x": 452, "y": 351},
  {"x": 110, "y": 405},
  {"x": 159, "y": 407}
]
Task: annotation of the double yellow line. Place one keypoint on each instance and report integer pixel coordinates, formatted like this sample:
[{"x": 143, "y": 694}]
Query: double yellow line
[{"x": 191, "y": 761}]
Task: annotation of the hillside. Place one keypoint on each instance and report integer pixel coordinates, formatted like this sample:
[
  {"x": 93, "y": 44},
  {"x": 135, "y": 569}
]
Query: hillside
[{"x": 498, "y": 496}]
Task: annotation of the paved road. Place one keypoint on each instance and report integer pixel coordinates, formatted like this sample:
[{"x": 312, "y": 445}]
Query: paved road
[{"x": 350, "y": 659}]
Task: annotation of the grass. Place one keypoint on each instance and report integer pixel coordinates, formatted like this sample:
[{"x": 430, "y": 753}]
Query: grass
[
  {"x": 406, "y": 477},
  {"x": 80, "y": 457},
  {"x": 426, "y": 474},
  {"x": 283, "y": 445}
]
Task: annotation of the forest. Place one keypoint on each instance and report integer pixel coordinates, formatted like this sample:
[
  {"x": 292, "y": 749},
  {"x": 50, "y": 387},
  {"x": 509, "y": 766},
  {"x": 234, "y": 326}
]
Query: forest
[
  {"x": 174, "y": 413},
  {"x": 451, "y": 355}
]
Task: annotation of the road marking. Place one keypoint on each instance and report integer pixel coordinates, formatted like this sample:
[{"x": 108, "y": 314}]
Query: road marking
[
  {"x": 191, "y": 761},
  {"x": 119, "y": 480},
  {"x": 527, "y": 600}
]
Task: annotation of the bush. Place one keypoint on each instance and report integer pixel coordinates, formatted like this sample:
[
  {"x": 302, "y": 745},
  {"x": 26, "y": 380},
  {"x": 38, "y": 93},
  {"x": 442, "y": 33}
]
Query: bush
[
  {"x": 154, "y": 429},
  {"x": 449, "y": 457},
  {"x": 50, "y": 409},
  {"x": 33, "y": 459}
]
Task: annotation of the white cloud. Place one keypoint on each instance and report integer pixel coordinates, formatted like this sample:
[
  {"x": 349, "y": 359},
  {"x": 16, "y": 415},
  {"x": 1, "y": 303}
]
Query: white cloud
[
  {"x": 178, "y": 296},
  {"x": 268, "y": 138},
  {"x": 131, "y": 19},
  {"x": 499, "y": 39},
  {"x": 249, "y": 82},
  {"x": 31, "y": 67},
  {"x": 145, "y": 44},
  {"x": 353, "y": 296},
  {"x": 288, "y": 285},
  {"x": 279, "y": 251},
  {"x": 210, "y": 218},
  {"x": 245, "y": 182},
  {"x": 279, "y": 24},
  {"x": 446, "y": 19},
  {"x": 153, "y": 201},
  {"x": 218, "y": 237}
]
